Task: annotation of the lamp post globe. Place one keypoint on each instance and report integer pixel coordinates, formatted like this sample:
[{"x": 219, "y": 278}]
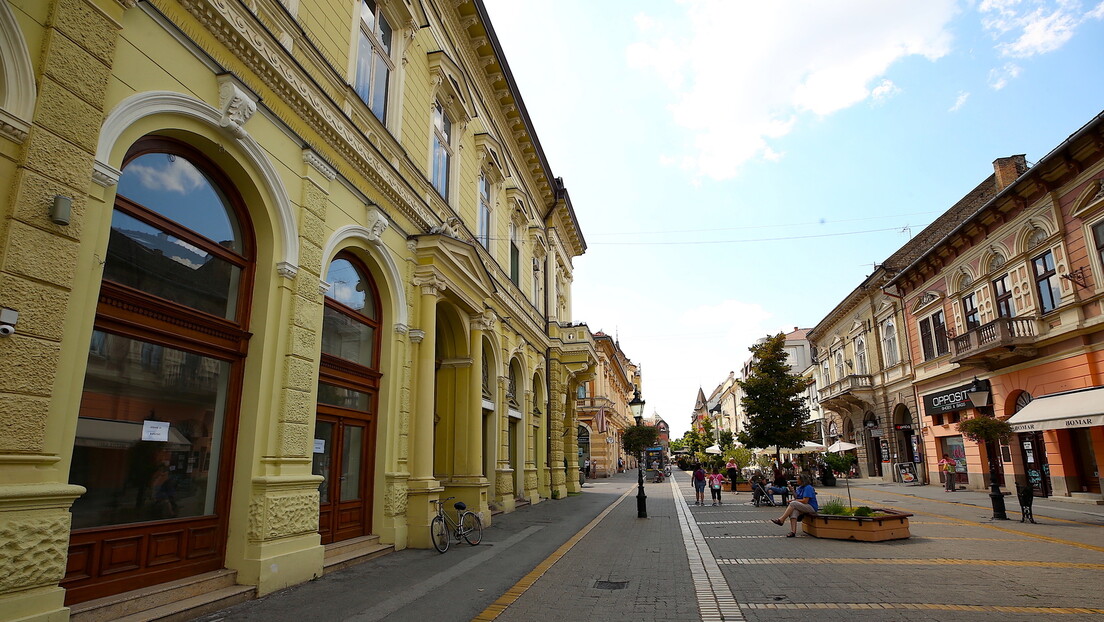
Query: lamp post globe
[
  {"x": 979, "y": 393},
  {"x": 636, "y": 405}
]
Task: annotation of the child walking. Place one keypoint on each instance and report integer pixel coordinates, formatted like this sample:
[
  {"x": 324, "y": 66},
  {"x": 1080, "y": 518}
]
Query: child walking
[{"x": 715, "y": 481}]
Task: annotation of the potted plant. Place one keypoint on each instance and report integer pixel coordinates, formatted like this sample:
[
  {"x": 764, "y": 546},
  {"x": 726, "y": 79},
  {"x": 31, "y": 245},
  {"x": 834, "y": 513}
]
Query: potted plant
[{"x": 837, "y": 521}]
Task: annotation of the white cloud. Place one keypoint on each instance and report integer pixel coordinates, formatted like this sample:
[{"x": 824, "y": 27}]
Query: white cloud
[
  {"x": 743, "y": 74},
  {"x": 885, "y": 89},
  {"x": 960, "y": 101},
  {"x": 1035, "y": 26},
  {"x": 999, "y": 77},
  {"x": 177, "y": 176}
]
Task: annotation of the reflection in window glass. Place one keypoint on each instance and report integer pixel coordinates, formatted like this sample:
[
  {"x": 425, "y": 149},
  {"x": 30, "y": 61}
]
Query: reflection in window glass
[
  {"x": 349, "y": 287},
  {"x": 149, "y": 433},
  {"x": 351, "y": 451},
  {"x": 148, "y": 259},
  {"x": 334, "y": 395},
  {"x": 170, "y": 185},
  {"x": 346, "y": 338},
  {"x": 323, "y": 438}
]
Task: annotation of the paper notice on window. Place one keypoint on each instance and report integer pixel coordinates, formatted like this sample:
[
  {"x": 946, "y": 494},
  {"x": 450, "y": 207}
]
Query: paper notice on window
[
  {"x": 155, "y": 430},
  {"x": 319, "y": 445}
]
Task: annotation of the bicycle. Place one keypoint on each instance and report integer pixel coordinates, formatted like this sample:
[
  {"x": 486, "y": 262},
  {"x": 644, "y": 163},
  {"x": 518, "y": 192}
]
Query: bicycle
[{"x": 467, "y": 527}]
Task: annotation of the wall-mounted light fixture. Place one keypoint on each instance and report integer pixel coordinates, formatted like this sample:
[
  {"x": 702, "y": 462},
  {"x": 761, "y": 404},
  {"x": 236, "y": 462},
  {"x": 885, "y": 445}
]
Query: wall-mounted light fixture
[{"x": 61, "y": 210}]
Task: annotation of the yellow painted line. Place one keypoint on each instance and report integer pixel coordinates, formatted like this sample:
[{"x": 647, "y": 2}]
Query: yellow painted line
[
  {"x": 893, "y": 561},
  {"x": 926, "y": 607},
  {"x": 511, "y": 595},
  {"x": 963, "y": 521}
]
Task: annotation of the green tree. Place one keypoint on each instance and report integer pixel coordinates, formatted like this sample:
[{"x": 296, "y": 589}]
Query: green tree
[
  {"x": 773, "y": 399},
  {"x": 728, "y": 440}
]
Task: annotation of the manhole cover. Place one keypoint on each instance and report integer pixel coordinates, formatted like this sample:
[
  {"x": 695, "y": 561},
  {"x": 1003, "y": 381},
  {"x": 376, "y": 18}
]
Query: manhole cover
[{"x": 610, "y": 585}]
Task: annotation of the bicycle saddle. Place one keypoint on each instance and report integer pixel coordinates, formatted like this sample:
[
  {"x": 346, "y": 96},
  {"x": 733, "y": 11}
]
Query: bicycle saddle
[{"x": 460, "y": 506}]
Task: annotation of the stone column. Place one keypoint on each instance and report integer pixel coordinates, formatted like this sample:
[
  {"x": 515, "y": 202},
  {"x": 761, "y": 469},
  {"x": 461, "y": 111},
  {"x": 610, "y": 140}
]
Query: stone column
[
  {"x": 469, "y": 483},
  {"x": 571, "y": 439},
  {"x": 528, "y": 425},
  {"x": 556, "y": 433},
  {"x": 422, "y": 485},
  {"x": 504, "y": 473},
  {"x": 48, "y": 276}
]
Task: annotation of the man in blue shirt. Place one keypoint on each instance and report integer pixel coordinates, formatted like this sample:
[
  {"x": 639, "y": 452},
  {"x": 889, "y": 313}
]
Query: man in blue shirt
[{"x": 804, "y": 502}]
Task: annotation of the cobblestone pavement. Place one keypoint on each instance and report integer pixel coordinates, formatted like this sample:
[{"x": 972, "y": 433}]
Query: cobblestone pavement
[
  {"x": 590, "y": 558},
  {"x": 958, "y": 565}
]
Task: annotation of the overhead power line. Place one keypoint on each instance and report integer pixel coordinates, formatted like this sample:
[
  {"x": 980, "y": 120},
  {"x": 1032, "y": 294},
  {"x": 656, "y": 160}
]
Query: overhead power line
[{"x": 778, "y": 239}]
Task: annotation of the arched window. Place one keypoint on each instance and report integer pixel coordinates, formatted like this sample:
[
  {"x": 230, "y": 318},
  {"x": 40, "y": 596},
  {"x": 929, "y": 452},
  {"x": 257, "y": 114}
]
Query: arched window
[
  {"x": 351, "y": 322},
  {"x": 889, "y": 342},
  {"x": 165, "y": 360},
  {"x": 839, "y": 365},
  {"x": 860, "y": 356}
]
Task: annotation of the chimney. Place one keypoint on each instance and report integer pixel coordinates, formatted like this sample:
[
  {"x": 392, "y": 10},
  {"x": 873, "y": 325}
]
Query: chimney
[{"x": 1008, "y": 170}]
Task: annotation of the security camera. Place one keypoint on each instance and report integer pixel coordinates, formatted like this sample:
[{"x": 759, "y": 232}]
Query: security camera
[{"x": 6, "y": 330}]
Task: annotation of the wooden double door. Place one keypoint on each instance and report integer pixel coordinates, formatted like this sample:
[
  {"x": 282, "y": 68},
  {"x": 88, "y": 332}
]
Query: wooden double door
[{"x": 343, "y": 456}]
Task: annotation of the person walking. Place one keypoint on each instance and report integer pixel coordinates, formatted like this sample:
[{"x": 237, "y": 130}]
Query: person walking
[
  {"x": 733, "y": 472},
  {"x": 804, "y": 502},
  {"x": 715, "y": 481},
  {"x": 947, "y": 465},
  {"x": 699, "y": 485}
]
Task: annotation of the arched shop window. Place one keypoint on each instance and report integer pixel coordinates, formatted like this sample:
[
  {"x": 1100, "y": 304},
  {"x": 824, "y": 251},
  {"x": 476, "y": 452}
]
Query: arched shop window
[{"x": 158, "y": 408}]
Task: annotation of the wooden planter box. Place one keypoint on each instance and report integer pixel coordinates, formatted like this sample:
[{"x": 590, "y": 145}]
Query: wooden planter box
[
  {"x": 737, "y": 487},
  {"x": 893, "y": 526}
]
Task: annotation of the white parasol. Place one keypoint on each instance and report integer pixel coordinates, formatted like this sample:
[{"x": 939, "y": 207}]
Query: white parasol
[
  {"x": 837, "y": 447},
  {"x": 713, "y": 449}
]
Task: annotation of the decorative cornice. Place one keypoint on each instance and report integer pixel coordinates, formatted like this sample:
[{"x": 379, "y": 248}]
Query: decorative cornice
[
  {"x": 105, "y": 175},
  {"x": 315, "y": 161},
  {"x": 287, "y": 270},
  {"x": 246, "y": 39},
  {"x": 401, "y": 329},
  {"x": 12, "y": 127},
  {"x": 323, "y": 287},
  {"x": 416, "y": 335}
]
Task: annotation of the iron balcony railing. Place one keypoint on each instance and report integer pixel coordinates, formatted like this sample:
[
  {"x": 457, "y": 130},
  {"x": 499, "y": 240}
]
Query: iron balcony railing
[{"x": 1004, "y": 332}]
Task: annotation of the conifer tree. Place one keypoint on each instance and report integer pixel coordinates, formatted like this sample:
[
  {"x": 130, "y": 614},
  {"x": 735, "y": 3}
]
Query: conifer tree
[{"x": 773, "y": 399}]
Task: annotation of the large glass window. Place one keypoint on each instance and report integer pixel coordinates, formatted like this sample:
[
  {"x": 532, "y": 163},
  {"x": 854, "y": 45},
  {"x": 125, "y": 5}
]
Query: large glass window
[
  {"x": 1046, "y": 280},
  {"x": 442, "y": 149},
  {"x": 148, "y": 436},
  {"x": 860, "y": 356},
  {"x": 349, "y": 323},
  {"x": 1002, "y": 294},
  {"x": 374, "y": 65},
  {"x": 970, "y": 312},
  {"x": 889, "y": 342},
  {"x": 484, "y": 211},
  {"x": 933, "y": 336},
  {"x": 515, "y": 255},
  {"x": 175, "y": 236}
]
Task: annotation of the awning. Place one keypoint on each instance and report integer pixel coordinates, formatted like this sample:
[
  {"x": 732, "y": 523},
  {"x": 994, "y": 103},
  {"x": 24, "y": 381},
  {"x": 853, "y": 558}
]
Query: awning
[{"x": 1061, "y": 411}]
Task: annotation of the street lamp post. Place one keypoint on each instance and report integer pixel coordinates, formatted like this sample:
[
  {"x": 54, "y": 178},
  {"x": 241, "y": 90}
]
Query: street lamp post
[
  {"x": 979, "y": 397},
  {"x": 637, "y": 408}
]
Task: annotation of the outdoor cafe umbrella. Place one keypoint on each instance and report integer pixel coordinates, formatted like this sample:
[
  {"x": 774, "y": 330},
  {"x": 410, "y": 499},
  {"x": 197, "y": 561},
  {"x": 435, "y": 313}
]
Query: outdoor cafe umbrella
[
  {"x": 806, "y": 448},
  {"x": 713, "y": 449},
  {"x": 836, "y": 448}
]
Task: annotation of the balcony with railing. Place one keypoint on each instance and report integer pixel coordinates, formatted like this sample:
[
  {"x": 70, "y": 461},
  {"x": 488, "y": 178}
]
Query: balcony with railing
[
  {"x": 849, "y": 391},
  {"x": 1004, "y": 341}
]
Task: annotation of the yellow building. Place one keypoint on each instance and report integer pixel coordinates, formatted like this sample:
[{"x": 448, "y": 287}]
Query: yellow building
[
  {"x": 602, "y": 405},
  {"x": 280, "y": 273}
]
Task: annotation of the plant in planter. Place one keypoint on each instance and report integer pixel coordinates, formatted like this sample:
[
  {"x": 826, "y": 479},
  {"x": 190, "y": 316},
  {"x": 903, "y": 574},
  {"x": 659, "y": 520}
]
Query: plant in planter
[
  {"x": 837, "y": 521},
  {"x": 837, "y": 463},
  {"x": 988, "y": 430}
]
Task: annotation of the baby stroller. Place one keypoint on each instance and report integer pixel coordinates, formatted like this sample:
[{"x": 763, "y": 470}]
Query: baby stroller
[{"x": 760, "y": 496}]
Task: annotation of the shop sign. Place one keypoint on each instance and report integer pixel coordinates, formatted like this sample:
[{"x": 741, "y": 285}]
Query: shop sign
[
  {"x": 948, "y": 401},
  {"x": 902, "y": 426},
  {"x": 875, "y": 432}
]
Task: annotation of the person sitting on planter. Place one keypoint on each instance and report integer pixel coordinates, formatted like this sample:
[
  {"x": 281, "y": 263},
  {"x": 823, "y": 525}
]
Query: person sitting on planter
[{"x": 804, "y": 502}]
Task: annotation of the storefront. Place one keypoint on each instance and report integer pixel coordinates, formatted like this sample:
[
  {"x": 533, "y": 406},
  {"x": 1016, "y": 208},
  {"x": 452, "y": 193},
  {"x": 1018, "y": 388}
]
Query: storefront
[
  {"x": 943, "y": 411},
  {"x": 1071, "y": 426}
]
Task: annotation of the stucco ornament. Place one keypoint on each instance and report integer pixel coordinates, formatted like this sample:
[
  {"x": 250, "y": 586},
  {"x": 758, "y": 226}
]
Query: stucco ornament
[
  {"x": 274, "y": 516},
  {"x": 33, "y": 551},
  {"x": 377, "y": 224},
  {"x": 395, "y": 502},
  {"x": 504, "y": 484},
  {"x": 236, "y": 104}
]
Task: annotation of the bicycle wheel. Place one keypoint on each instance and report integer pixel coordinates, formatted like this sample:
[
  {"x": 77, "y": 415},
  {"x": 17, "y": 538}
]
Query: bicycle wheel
[
  {"x": 471, "y": 528},
  {"x": 438, "y": 532}
]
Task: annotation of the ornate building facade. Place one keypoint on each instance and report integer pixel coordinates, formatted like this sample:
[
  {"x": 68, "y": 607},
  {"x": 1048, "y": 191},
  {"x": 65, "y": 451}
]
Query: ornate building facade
[
  {"x": 277, "y": 274},
  {"x": 602, "y": 404}
]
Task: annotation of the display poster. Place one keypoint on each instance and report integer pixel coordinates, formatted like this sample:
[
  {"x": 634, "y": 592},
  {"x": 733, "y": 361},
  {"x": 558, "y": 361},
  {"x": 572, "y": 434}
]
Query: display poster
[
  {"x": 155, "y": 431},
  {"x": 906, "y": 471},
  {"x": 319, "y": 445},
  {"x": 915, "y": 448}
]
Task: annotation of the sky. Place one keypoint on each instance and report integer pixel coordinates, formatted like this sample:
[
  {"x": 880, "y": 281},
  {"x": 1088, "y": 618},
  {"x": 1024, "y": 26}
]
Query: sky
[{"x": 737, "y": 168}]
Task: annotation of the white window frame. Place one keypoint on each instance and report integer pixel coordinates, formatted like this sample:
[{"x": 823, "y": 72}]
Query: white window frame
[
  {"x": 860, "y": 357},
  {"x": 485, "y": 200},
  {"x": 379, "y": 48},
  {"x": 441, "y": 150},
  {"x": 889, "y": 342}
]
